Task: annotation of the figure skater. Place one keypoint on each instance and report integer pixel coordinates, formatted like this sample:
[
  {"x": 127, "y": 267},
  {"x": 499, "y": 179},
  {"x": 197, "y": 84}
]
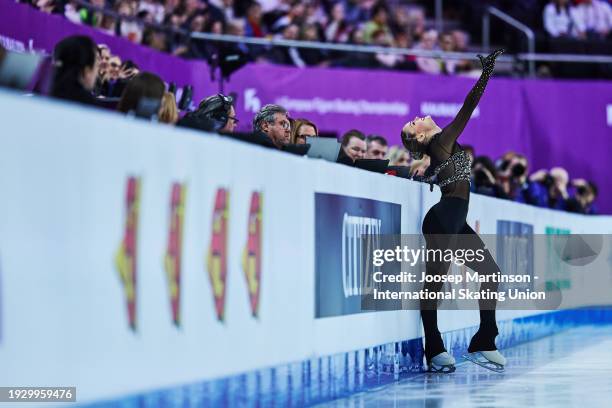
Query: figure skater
[{"x": 446, "y": 219}]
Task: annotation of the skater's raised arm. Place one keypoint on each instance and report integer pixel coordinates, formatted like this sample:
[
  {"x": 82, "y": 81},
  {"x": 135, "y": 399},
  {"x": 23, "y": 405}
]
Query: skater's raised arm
[{"x": 453, "y": 130}]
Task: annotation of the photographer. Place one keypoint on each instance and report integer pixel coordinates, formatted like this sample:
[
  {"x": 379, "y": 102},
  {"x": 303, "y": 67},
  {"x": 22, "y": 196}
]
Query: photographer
[
  {"x": 583, "y": 200},
  {"x": 512, "y": 177},
  {"x": 548, "y": 189},
  {"x": 484, "y": 177}
]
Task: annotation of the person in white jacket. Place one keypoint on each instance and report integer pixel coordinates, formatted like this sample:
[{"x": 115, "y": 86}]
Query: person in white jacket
[
  {"x": 560, "y": 20},
  {"x": 594, "y": 17}
]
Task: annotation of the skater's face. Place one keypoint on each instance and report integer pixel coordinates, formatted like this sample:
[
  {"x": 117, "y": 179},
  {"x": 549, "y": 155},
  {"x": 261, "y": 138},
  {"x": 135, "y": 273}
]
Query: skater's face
[{"x": 419, "y": 127}]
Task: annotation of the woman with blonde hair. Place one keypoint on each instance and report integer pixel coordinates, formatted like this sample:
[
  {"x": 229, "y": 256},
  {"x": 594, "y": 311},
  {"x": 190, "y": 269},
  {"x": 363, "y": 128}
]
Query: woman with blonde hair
[
  {"x": 398, "y": 156},
  {"x": 168, "y": 112},
  {"x": 301, "y": 129}
]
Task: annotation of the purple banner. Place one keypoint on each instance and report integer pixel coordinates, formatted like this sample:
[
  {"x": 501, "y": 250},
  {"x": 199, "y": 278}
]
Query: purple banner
[{"x": 566, "y": 123}]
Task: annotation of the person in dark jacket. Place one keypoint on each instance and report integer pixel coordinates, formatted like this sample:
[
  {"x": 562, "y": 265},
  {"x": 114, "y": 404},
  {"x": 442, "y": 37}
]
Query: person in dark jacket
[{"x": 76, "y": 60}]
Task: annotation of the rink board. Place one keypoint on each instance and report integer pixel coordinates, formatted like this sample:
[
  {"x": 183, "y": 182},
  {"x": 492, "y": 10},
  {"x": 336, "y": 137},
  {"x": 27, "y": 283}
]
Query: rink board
[{"x": 90, "y": 197}]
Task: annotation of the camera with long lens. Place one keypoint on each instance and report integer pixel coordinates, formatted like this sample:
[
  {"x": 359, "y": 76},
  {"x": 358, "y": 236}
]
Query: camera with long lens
[
  {"x": 518, "y": 170},
  {"x": 481, "y": 178}
]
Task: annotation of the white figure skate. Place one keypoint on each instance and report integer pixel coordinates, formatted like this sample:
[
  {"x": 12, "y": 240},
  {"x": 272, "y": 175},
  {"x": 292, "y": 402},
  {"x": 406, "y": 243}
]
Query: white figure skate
[
  {"x": 442, "y": 363},
  {"x": 491, "y": 360}
]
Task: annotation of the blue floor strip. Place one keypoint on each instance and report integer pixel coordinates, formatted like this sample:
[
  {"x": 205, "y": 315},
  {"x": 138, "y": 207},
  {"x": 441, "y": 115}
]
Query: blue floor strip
[{"x": 327, "y": 378}]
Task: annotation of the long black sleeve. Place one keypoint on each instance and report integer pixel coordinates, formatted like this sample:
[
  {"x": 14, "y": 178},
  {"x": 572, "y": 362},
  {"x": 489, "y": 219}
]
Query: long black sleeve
[
  {"x": 453, "y": 175},
  {"x": 452, "y": 131}
]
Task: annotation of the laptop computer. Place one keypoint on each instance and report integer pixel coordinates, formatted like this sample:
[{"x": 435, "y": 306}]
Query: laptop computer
[
  {"x": 375, "y": 165},
  {"x": 323, "y": 148},
  {"x": 17, "y": 70}
]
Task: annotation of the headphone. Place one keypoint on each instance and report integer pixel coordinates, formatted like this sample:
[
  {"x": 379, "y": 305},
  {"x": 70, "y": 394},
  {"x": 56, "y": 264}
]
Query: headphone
[{"x": 216, "y": 108}]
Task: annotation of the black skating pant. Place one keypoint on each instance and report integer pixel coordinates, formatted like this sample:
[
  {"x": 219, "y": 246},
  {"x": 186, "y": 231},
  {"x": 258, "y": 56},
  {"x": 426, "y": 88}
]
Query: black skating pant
[{"x": 441, "y": 225}]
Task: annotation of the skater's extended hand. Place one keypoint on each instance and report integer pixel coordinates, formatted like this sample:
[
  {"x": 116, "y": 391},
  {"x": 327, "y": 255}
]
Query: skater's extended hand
[{"x": 488, "y": 62}]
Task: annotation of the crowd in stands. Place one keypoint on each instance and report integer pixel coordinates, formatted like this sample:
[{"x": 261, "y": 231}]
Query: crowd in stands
[
  {"x": 85, "y": 70},
  {"x": 580, "y": 19},
  {"x": 345, "y": 21}
]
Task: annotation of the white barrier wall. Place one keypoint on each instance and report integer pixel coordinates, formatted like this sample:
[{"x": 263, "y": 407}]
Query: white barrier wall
[{"x": 64, "y": 175}]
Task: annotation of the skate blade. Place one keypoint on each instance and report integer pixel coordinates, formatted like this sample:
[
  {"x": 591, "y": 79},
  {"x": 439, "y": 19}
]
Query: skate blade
[
  {"x": 442, "y": 369},
  {"x": 489, "y": 365}
]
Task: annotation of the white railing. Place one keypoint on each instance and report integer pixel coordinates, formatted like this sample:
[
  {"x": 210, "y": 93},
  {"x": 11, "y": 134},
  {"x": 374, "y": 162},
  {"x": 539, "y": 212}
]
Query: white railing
[{"x": 486, "y": 32}]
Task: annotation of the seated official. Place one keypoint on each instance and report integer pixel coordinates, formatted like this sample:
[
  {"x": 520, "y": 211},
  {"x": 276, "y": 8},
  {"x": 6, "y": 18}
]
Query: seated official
[
  {"x": 214, "y": 114},
  {"x": 353, "y": 146},
  {"x": 273, "y": 122},
  {"x": 377, "y": 147},
  {"x": 301, "y": 129}
]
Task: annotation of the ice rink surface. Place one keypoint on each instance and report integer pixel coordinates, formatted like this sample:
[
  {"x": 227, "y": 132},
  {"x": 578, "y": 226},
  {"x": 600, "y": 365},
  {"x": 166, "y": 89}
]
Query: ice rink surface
[{"x": 570, "y": 369}]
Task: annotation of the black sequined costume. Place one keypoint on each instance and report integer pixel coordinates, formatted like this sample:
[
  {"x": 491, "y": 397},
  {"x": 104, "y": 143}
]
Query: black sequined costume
[{"x": 445, "y": 225}]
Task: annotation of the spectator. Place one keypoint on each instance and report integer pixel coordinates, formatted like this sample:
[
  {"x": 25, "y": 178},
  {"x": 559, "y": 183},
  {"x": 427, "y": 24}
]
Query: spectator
[
  {"x": 398, "y": 156},
  {"x": 428, "y": 43},
  {"x": 254, "y": 26},
  {"x": 108, "y": 25},
  {"x": 132, "y": 30},
  {"x": 385, "y": 60},
  {"x": 288, "y": 55},
  {"x": 226, "y": 7},
  {"x": 116, "y": 77},
  {"x": 241, "y": 52},
  {"x": 301, "y": 129},
  {"x": 354, "y": 145},
  {"x": 416, "y": 22},
  {"x": 105, "y": 55},
  {"x": 273, "y": 121},
  {"x": 92, "y": 17},
  {"x": 377, "y": 147},
  {"x": 72, "y": 12},
  {"x": 380, "y": 16},
  {"x": 311, "y": 56},
  {"x": 156, "y": 40},
  {"x": 295, "y": 16},
  {"x": 452, "y": 66},
  {"x": 403, "y": 39},
  {"x": 193, "y": 7},
  {"x": 168, "y": 113},
  {"x": 338, "y": 29},
  {"x": 154, "y": 8},
  {"x": 355, "y": 11},
  {"x": 594, "y": 18},
  {"x": 560, "y": 19},
  {"x": 76, "y": 61},
  {"x": 142, "y": 94},
  {"x": 113, "y": 68},
  {"x": 461, "y": 40}
]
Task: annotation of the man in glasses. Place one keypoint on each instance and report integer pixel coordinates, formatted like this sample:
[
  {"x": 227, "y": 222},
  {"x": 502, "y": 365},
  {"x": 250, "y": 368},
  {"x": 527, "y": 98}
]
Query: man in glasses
[{"x": 273, "y": 121}]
